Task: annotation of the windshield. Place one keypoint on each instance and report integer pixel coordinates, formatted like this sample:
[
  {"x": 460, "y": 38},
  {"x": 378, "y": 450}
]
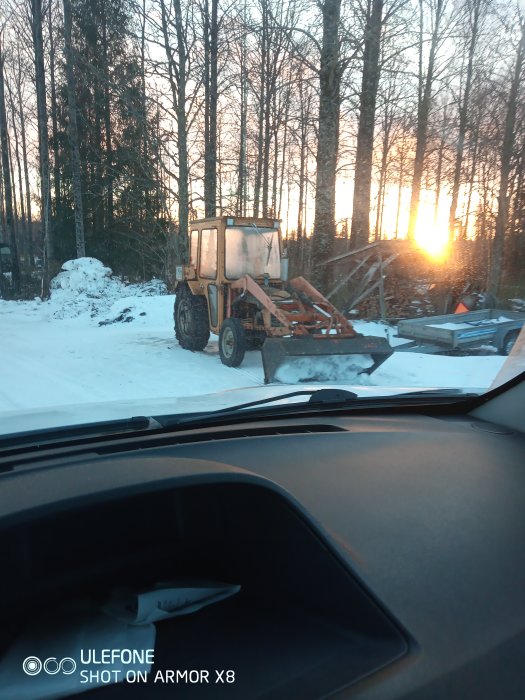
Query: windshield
[
  {"x": 205, "y": 204},
  {"x": 253, "y": 251}
]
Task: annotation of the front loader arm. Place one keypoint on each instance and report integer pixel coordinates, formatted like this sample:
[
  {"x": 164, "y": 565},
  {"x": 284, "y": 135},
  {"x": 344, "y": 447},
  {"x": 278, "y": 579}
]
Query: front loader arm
[
  {"x": 307, "y": 311},
  {"x": 304, "y": 288},
  {"x": 248, "y": 284}
]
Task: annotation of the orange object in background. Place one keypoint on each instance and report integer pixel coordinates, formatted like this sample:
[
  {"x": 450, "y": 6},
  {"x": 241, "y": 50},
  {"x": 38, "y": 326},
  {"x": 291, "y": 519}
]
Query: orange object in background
[{"x": 461, "y": 308}]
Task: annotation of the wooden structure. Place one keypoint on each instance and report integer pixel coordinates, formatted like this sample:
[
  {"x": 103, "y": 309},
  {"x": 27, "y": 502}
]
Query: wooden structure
[{"x": 361, "y": 272}]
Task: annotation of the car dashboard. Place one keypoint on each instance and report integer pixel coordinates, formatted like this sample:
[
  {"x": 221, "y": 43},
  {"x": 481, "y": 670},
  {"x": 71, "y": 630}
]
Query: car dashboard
[{"x": 379, "y": 555}]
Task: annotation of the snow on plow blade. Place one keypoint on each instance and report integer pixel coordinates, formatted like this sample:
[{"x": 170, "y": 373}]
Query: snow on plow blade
[{"x": 326, "y": 359}]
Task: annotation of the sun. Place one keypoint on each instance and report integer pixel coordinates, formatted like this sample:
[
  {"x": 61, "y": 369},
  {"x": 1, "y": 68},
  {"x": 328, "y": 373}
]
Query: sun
[
  {"x": 432, "y": 232},
  {"x": 434, "y": 242}
]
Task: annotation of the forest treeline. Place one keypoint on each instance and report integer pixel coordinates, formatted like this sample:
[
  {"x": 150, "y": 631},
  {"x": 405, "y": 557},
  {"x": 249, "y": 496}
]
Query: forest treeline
[{"x": 123, "y": 120}]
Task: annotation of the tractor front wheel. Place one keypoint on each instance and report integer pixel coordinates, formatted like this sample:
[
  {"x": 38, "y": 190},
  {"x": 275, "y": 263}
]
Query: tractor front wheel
[
  {"x": 192, "y": 327},
  {"x": 232, "y": 342}
]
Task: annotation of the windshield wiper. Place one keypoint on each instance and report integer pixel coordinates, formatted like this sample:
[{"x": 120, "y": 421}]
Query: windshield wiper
[
  {"x": 318, "y": 397},
  {"x": 320, "y": 400},
  {"x": 270, "y": 246},
  {"x": 422, "y": 393}
]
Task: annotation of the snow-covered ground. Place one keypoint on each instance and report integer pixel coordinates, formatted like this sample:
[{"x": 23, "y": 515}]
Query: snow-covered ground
[{"x": 99, "y": 340}]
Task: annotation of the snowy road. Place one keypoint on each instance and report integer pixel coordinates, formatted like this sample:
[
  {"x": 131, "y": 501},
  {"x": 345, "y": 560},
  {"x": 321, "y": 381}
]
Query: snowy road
[{"x": 46, "y": 361}]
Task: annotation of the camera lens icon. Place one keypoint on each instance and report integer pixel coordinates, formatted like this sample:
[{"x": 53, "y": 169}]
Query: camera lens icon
[
  {"x": 32, "y": 665},
  {"x": 68, "y": 666}
]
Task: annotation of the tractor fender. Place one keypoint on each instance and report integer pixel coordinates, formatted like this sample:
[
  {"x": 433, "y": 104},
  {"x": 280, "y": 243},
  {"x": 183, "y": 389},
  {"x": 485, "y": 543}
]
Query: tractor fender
[{"x": 196, "y": 288}]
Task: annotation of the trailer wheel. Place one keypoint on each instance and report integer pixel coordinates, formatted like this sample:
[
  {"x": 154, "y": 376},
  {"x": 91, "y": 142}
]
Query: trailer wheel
[
  {"x": 232, "y": 342},
  {"x": 190, "y": 313},
  {"x": 509, "y": 341}
]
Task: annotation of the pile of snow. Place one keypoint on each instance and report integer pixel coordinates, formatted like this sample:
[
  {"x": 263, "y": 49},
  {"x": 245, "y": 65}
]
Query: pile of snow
[{"x": 87, "y": 287}]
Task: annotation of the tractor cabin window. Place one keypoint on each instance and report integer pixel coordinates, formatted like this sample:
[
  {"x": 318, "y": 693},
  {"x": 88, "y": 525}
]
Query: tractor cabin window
[
  {"x": 194, "y": 247},
  {"x": 208, "y": 259},
  {"x": 253, "y": 251}
]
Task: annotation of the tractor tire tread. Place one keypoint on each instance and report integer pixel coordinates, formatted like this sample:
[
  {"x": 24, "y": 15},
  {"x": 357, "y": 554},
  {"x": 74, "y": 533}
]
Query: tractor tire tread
[
  {"x": 239, "y": 342},
  {"x": 198, "y": 333}
]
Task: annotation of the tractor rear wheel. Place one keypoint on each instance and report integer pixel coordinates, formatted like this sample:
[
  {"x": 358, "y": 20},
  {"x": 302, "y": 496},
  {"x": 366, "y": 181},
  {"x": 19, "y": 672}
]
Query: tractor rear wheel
[
  {"x": 232, "y": 342},
  {"x": 192, "y": 327}
]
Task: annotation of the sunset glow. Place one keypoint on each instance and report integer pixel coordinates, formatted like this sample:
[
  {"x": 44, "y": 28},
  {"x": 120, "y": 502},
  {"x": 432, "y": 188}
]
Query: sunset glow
[
  {"x": 432, "y": 231},
  {"x": 433, "y": 240}
]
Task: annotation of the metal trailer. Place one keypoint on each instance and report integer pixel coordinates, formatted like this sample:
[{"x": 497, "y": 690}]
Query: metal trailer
[{"x": 465, "y": 332}]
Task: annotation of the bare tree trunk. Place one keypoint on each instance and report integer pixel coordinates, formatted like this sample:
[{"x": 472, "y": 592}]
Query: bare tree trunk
[
  {"x": 182, "y": 132},
  {"x": 360, "y": 231},
  {"x": 16, "y": 217},
  {"x": 399, "y": 192},
  {"x": 4, "y": 289},
  {"x": 43, "y": 141},
  {"x": 303, "y": 156},
  {"x": 439, "y": 170},
  {"x": 422, "y": 120},
  {"x": 19, "y": 171},
  {"x": 8, "y": 192},
  {"x": 144, "y": 115},
  {"x": 387, "y": 126},
  {"x": 402, "y": 157},
  {"x": 275, "y": 172},
  {"x": 107, "y": 123},
  {"x": 54, "y": 113},
  {"x": 283, "y": 160},
  {"x": 267, "y": 138},
  {"x": 471, "y": 178},
  {"x": 506, "y": 157},
  {"x": 242, "y": 174},
  {"x": 30, "y": 251},
  {"x": 211, "y": 31},
  {"x": 261, "y": 111},
  {"x": 177, "y": 79},
  {"x": 144, "y": 112},
  {"x": 463, "y": 115},
  {"x": 73, "y": 133},
  {"x": 328, "y": 141}
]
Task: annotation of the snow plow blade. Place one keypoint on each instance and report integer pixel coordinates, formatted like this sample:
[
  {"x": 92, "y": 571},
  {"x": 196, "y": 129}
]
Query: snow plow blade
[{"x": 325, "y": 359}]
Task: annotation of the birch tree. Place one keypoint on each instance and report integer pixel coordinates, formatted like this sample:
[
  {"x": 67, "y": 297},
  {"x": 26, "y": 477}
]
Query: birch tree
[
  {"x": 328, "y": 140},
  {"x": 6, "y": 173},
  {"x": 360, "y": 231},
  {"x": 424, "y": 104},
  {"x": 507, "y": 149},
  {"x": 36, "y": 15},
  {"x": 211, "y": 61},
  {"x": 474, "y": 10},
  {"x": 73, "y": 133}
]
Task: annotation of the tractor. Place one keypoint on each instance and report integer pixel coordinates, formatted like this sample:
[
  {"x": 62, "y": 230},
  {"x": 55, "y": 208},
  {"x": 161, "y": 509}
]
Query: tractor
[{"x": 236, "y": 285}]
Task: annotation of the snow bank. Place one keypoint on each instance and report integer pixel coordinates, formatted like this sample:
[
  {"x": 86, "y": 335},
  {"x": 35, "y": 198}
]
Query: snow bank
[{"x": 87, "y": 287}]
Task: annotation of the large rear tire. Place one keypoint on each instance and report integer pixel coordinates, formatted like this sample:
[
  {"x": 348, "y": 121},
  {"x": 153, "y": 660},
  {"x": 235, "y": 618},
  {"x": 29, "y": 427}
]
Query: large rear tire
[
  {"x": 192, "y": 326},
  {"x": 232, "y": 342}
]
